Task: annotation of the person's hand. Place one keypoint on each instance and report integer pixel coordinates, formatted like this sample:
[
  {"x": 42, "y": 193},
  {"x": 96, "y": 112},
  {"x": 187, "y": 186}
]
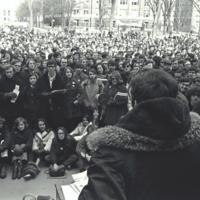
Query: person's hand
[
  {"x": 10, "y": 95},
  {"x": 83, "y": 155},
  {"x": 88, "y": 157},
  {"x": 55, "y": 166},
  {"x": 75, "y": 102}
]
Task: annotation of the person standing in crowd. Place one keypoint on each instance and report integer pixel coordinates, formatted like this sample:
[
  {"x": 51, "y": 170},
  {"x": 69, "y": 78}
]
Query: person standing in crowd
[
  {"x": 117, "y": 99},
  {"x": 91, "y": 87},
  {"x": 28, "y": 101},
  {"x": 152, "y": 153},
  {"x": 4, "y": 147},
  {"x": 50, "y": 89},
  {"x": 73, "y": 110},
  {"x": 9, "y": 92}
]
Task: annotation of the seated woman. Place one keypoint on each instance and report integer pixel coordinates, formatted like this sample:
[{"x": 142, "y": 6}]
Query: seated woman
[
  {"x": 82, "y": 129},
  {"x": 4, "y": 145},
  {"x": 21, "y": 143},
  {"x": 62, "y": 154},
  {"x": 42, "y": 141}
]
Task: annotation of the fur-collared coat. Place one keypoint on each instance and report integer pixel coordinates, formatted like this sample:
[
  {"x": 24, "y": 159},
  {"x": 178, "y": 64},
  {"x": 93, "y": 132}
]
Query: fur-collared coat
[{"x": 153, "y": 153}]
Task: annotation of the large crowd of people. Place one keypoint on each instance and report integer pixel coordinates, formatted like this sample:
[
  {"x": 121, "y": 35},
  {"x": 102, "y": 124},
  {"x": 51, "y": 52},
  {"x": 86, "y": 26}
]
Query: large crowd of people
[{"x": 56, "y": 88}]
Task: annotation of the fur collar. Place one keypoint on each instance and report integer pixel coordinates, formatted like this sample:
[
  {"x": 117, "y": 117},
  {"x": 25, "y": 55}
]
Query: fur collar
[{"x": 116, "y": 137}]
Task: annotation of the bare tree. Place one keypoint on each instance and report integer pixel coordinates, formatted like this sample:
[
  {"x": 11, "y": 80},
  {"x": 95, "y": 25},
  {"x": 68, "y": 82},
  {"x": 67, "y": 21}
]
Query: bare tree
[
  {"x": 113, "y": 6},
  {"x": 167, "y": 8},
  {"x": 153, "y": 5},
  {"x": 103, "y": 10},
  {"x": 30, "y": 6}
]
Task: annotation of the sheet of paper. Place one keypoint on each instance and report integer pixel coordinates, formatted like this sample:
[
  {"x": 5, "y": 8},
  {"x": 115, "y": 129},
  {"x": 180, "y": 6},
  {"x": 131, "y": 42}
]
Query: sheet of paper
[{"x": 69, "y": 193}]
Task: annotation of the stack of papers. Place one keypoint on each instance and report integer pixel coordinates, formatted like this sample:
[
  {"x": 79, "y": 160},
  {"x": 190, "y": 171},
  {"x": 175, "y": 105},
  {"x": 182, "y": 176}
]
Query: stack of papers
[{"x": 72, "y": 191}]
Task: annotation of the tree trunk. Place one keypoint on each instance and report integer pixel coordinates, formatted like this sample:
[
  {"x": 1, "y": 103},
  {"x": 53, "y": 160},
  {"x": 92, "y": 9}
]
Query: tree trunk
[
  {"x": 112, "y": 14},
  {"x": 30, "y": 5},
  {"x": 157, "y": 18}
]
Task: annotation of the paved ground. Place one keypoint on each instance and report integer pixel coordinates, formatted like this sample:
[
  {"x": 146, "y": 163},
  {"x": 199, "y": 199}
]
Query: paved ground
[{"x": 42, "y": 185}]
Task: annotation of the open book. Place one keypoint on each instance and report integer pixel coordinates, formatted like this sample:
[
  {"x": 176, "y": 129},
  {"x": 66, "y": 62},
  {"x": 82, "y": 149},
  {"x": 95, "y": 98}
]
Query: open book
[{"x": 72, "y": 191}]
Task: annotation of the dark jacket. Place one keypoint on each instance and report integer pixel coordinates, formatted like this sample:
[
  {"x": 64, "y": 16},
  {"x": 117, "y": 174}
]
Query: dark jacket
[
  {"x": 152, "y": 154},
  {"x": 8, "y": 110},
  {"x": 73, "y": 94},
  {"x": 61, "y": 150},
  {"x": 22, "y": 137},
  {"x": 4, "y": 138},
  {"x": 117, "y": 103},
  {"x": 29, "y": 103},
  {"x": 50, "y": 105}
]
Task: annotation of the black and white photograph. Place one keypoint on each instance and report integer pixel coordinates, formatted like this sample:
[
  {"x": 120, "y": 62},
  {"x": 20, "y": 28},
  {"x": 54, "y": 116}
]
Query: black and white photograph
[{"x": 99, "y": 99}]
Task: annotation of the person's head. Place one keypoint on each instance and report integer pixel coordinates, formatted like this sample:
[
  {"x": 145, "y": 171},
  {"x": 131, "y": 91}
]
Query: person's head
[
  {"x": 92, "y": 74},
  {"x": 31, "y": 64},
  {"x": 99, "y": 68},
  {"x": 9, "y": 71},
  {"x": 21, "y": 124},
  {"x": 85, "y": 120},
  {"x": 17, "y": 66},
  {"x": 33, "y": 78},
  {"x": 63, "y": 62},
  {"x": 42, "y": 124},
  {"x": 152, "y": 84},
  {"x": 193, "y": 96},
  {"x": 51, "y": 67},
  {"x": 61, "y": 133},
  {"x": 116, "y": 78},
  {"x": 69, "y": 72},
  {"x": 2, "y": 122}
]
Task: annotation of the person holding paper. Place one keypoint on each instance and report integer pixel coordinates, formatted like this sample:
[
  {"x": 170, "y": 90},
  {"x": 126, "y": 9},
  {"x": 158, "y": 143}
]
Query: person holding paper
[
  {"x": 117, "y": 100},
  {"x": 9, "y": 92},
  {"x": 153, "y": 151},
  {"x": 50, "y": 89}
]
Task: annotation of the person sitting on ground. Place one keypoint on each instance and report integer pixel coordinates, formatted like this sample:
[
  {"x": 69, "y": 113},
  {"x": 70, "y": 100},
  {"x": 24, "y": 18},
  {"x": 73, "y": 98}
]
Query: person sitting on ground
[
  {"x": 62, "y": 154},
  {"x": 21, "y": 143},
  {"x": 42, "y": 141}
]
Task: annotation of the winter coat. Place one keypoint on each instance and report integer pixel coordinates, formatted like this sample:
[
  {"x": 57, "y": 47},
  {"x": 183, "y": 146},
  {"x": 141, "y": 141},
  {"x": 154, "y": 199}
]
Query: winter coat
[
  {"x": 22, "y": 137},
  {"x": 90, "y": 91},
  {"x": 4, "y": 139},
  {"x": 72, "y": 110},
  {"x": 117, "y": 100},
  {"x": 29, "y": 103},
  {"x": 62, "y": 149},
  {"x": 8, "y": 109},
  {"x": 50, "y": 105},
  {"x": 43, "y": 140},
  {"x": 151, "y": 154}
]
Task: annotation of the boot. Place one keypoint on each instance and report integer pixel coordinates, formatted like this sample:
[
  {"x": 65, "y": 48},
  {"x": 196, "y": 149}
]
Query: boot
[
  {"x": 19, "y": 169},
  {"x": 3, "y": 172},
  {"x": 14, "y": 171}
]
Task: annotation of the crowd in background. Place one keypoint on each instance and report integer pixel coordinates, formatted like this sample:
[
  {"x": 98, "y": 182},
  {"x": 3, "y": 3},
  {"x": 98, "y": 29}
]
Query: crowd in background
[{"x": 55, "y": 88}]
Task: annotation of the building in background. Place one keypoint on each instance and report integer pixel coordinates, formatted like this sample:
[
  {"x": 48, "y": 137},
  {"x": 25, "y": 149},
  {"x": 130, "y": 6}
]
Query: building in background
[
  {"x": 8, "y": 11},
  {"x": 128, "y": 13}
]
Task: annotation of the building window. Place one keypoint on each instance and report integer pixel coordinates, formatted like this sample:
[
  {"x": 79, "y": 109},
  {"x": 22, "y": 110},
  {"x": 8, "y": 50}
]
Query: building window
[
  {"x": 86, "y": 23},
  {"x": 135, "y": 2},
  {"x": 75, "y": 12},
  {"x": 123, "y": 2},
  {"x": 4, "y": 12},
  {"x": 8, "y": 12},
  {"x": 4, "y": 18},
  {"x": 146, "y": 2},
  {"x": 86, "y": 12}
]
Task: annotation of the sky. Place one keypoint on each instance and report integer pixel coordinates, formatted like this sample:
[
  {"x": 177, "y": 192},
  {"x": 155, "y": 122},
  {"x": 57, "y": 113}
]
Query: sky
[{"x": 10, "y": 3}]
